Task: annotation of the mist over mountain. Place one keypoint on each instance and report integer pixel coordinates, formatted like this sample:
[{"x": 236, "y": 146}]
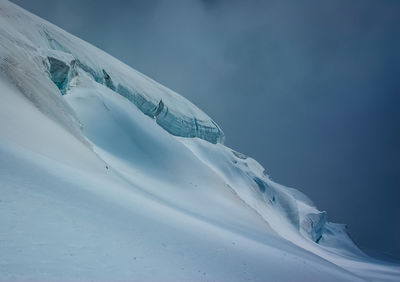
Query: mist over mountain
[{"x": 106, "y": 174}]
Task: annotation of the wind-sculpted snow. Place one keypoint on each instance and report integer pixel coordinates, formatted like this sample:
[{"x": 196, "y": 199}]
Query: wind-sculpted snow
[
  {"x": 313, "y": 224},
  {"x": 179, "y": 117},
  {"x": 62, "y": 72},
  {"x": 99, "y": 180},
  {"x": 28, "y": 74},
  {"x": 275, "y": 203}
]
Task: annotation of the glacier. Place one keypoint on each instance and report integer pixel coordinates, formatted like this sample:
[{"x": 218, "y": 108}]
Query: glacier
[{"x": 106, "y": 174}]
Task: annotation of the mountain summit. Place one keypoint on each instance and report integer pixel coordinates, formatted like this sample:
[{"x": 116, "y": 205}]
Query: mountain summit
[{"x": 107, "y": 175}]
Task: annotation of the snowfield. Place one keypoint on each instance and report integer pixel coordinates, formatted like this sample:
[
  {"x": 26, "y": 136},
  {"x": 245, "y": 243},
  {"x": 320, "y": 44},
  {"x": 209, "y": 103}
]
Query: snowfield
[{"x": 107, "y": 175}]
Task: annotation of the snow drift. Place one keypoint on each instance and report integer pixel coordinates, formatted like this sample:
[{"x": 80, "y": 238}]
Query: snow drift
[{"x": 106, "y": 174}]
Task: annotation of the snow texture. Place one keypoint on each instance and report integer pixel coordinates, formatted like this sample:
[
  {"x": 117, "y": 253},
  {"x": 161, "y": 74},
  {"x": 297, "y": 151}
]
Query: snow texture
[{"x": 106, "y": 174}]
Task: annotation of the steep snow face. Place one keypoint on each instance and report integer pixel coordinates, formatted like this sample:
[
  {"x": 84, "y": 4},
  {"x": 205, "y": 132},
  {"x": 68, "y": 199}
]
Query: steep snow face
[
  {"x": 139, "y": 207},
  {"x": 63, "y": 54},
  {"x": 96, "y": 166}
]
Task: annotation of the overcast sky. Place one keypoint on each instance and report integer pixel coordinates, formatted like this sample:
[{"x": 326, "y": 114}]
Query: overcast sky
[{"x": 311, "y": 89}]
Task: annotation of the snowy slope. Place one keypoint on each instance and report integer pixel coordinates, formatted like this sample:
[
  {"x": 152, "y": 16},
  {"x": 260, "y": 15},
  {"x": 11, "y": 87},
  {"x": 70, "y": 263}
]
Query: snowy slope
[{"x": 106, "y": 174}]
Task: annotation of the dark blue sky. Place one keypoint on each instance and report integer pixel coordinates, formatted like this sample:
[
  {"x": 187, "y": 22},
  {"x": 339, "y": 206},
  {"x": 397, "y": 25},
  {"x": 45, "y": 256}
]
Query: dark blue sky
[{"x": 311, "y": 89}]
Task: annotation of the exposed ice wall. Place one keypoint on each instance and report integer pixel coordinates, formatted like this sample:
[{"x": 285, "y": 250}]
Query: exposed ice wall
[
  {"x": 28, "y": 74},
  {"x": 310, "y": 223},
  {"x": 54, "y": 58},
  {"x": 63, "y": 52},
  {"x": 313, "y": 224},
  {"x": 61, "y": 72},
  {"x": 286, "y": 210}
]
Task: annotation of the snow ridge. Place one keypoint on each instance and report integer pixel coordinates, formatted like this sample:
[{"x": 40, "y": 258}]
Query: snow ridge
[
  {"x": 116, "y": 161},
  {"x": 62, "y": 55}
]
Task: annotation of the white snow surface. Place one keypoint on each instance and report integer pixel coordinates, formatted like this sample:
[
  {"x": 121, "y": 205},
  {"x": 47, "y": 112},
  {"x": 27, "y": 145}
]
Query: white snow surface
[{"x": 95, "y": 185}]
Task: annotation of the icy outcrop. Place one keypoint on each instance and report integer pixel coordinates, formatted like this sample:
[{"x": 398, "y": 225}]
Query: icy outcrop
[
  {"x": 64, "y": 52},
  {"x": 170, "y": 120},
  {"x": 159, "y": 109},
  {"x": 287, "y": 210},
  {"x": 108, "y": 81},
  {"x": 28, "y": 75},
  {"x": 313, "y": 225},
  {"x": 280, "y": 200},
  {"x": 61, "y": 72},
  {"x": 239, "y": 155},
  {"x": 202, "y": 197},
  {"x": 262, "y": 186},
  {"x": 189, "y": 127},
  {"x": 60, "y": 58}
]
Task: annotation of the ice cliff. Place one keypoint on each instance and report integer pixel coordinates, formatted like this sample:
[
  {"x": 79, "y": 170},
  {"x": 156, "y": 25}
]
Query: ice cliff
[
  {"x": 83, "y": 135},
  {"x": 63, "y": 55},
  {"x": 61, "y": 59},
  {"x": 32, "y": 48}
]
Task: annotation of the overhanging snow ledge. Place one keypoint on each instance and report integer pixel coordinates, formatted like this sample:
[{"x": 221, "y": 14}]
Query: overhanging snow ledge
[{"x": 176, "y": 123}]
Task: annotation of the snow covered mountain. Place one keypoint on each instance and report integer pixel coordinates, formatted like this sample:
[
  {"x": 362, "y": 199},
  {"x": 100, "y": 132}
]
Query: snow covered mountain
[{"x": 107, "y": 175}]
